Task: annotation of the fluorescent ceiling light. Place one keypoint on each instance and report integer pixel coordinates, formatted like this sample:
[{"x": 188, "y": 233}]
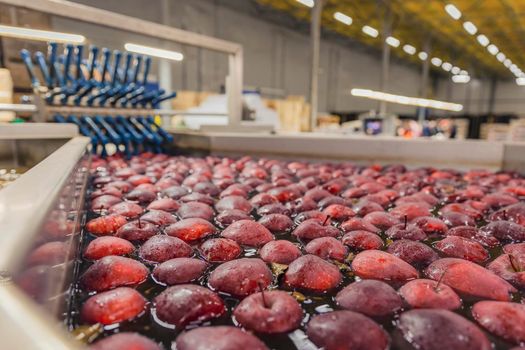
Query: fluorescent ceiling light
[
  {"x": 460, "y": 79},
  {"x": 483, "y": 40},
  {"x": 453, "y": 11},
  {"x": 513, "y": 67},
  {"x": 507, "y": 63},
  {"x": 501, "y": 57},
  {"x": 40, "y": 35},
  {"x": 520, "y": 81},
  {"x": 309, "y": 3},
  {"x": 341, "y": 17},
  {"x": 422, "y": 55},
  {"x": 470, "y": 28},
  {"x": 463, "y": 72},
  {"x": 152, "y": 51},
  {"x": 394, "y": 42},
  {"x": 455, "y": 70},
  {"x": 370, "y": 31},
  {"x": 405, "y": 100},
  {"x": 409, "y": 49},
  {"x": 493, "y": 49},
  {"x": 436, "y": 61},
  {"x": 446, "y": 66}
]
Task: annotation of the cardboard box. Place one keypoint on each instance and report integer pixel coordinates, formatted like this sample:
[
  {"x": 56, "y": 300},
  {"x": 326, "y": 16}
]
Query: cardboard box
[
  {"x": 19, "y": 75},
  {"x": 6, "y": 93},
  {"x": 10, "y": 47},
  {"x": 188, "y": 99},
  {"x": 517, "y": 130},
  {"x": 494, "y": 131},
  {"x": 16, "y": 16},
  {"x": 185, "y": 100},
  {"x": 294, "y": 113}
]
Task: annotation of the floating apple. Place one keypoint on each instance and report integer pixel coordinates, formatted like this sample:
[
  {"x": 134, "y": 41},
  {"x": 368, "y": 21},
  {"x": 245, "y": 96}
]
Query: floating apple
[
  {"x": 218, "y": 338},
  {"x": 369, "y": 297},
  {"x": 113, "y": 306},
  {"x": 185, "y": 303},
  {"x": 269, "y": 312},
  {"x": 329, "y": 331},
  {"x": 241, "y": 277},
  {"x": 125, "y": 341}
]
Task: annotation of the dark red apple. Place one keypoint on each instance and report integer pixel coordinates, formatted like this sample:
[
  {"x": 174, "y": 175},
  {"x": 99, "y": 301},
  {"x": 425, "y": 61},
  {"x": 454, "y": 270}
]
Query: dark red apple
[
  {"x": 247, "y": 232},
  {"x": 187, "y": 303},
  {"x": 165, "y": 204},
  {"x": 311, "y": 273},
  {"x": 107, "y": 245},
  {"x": 313, "y": 228},
  {"x": 381, "y": 220},
  {"x": 113, "y": 306},
  {"x": 505, "y": 230},
  {"x": 358, "y": 224},
  {"x": 276, "y": 223},
  {"x": 125, "y": 341},
  {"x": 280, "y": 251},
  {"x": 464, "y": 248},
  {"x": 128, "y": 209},
  {"x": 429, "y": 294},
  {"x": 159, "y": 217},
  {"x": 415, "y": 253},
  {"x": 137, "y": 230},
  {"x": 218, "y": 338},
  {"x": 105, "y": 225},
  {"x": 362, "y": 240},
  {"x": 470, "y": 279},
  {"x": 327, "y": 248},
  {"x": 175, "y": 192},
  {"x": 241, "y": 277},
  {"x": 433, "y": 329},
  {"x": 220, "y": 250},
  {"x": 104, "y": 202},
  {"x": 329, "y": 331},
  {"x": 141, "y": 196},
  {"x": 379, "y": 265},
  {"x": 504, "y": 319},
  {"x": 190, "y": 230},
  {"x": 263, "y": 199},
  {"x": 269, "y": 312},
  {"x": 273, "y": 208},
  {"x": 113, "y": 271},
  {"x": 233, "y": 202},
  {"x": 229, "y": 216},
  {"x": 195, "y": 210},
  {"x": 369, "y": 297},
  {"x": 178, "y": 271}
]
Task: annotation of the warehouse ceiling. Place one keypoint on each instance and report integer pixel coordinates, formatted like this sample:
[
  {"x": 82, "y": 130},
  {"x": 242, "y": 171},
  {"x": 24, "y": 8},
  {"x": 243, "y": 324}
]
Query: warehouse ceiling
[{"x": 424, "y": 24}]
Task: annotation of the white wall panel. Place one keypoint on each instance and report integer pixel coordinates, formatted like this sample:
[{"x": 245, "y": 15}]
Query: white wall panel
[{"x": 277, "y": 57}]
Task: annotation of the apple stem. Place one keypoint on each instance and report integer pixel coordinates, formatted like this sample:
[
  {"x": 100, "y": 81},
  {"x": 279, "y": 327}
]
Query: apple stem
[
  {"x": 515, "y": 264},
  {"x": 406, "y": 222},
  {"x": 100, "y": 210},
  {"x": 328, "y": 217},
  {"x": 140, "y": 223},
  {"x": 505, "y": 214},
  {"x": 261, "y": 289},
  {"x": 440, "y": 280}
]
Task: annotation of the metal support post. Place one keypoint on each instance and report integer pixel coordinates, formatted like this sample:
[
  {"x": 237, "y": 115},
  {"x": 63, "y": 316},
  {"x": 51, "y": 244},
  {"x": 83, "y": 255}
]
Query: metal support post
[
  {"x": 315, "y": 46},
  {"x": 425, "y": 72},
  {"x": 385, "y": 63}
]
